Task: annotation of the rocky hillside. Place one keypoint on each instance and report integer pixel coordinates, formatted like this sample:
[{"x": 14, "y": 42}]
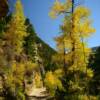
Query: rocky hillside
[{"x": 44, "y": 50}]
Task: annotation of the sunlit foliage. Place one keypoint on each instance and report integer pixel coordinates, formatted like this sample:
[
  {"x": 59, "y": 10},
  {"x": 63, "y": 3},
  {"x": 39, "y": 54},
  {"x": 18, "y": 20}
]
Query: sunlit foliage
[
  {"x": 73, "y": 52},
  {"x": 52, "y": 82},
  {"x": 16, "y": 29},
  {"x": 15, "y": 66}
]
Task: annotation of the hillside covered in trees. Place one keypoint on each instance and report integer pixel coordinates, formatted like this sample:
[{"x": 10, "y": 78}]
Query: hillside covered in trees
[{"x": 31, "y": 39}]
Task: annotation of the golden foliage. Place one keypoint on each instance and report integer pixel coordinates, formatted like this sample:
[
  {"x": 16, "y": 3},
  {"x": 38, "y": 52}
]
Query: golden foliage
[
  {"x": 73, "y": 52},
  {"x": 38, "y": 80},
  {"x": 59, "y": 8},
  {"x": 52, "y": 82},
  {"x": 16, "y": 29}
]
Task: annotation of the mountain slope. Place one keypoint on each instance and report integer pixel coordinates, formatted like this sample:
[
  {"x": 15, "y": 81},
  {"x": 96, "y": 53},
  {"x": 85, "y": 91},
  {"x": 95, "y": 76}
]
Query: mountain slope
[{"x": 44, "y": 50}]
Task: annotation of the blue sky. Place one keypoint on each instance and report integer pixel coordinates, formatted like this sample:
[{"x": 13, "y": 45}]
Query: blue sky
[{"x": 47, "y": 28}]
